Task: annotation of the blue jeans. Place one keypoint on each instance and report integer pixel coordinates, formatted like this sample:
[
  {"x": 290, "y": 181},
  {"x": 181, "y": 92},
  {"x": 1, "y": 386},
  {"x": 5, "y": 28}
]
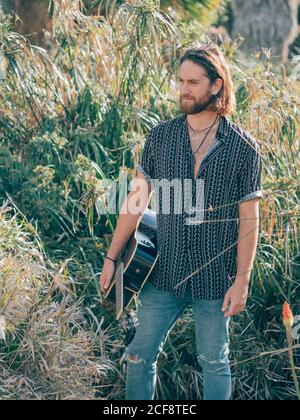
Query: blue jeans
[{"x": 156, "y": 317}]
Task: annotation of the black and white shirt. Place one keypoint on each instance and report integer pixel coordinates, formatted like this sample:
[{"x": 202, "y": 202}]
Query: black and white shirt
[{"x": 232, "y": 172}]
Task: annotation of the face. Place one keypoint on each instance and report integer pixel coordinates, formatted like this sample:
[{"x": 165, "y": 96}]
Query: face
[{"x": 195, "y": 88}]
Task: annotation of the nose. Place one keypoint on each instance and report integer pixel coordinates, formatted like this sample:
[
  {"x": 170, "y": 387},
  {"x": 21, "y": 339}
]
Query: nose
[
  {"x": 184, "y": 90},
  {"x": 186, "y": 93}
]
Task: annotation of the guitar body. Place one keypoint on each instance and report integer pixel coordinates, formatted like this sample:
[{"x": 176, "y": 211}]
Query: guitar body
[{"x": 135, "y": 263}]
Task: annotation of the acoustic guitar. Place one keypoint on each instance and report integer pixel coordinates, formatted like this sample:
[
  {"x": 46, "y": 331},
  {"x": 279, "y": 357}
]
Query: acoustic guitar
[{"x": 135, "y": 263}]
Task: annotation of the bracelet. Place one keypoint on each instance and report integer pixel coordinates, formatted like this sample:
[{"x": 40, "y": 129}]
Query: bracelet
[{"x": 111, "y": 259}]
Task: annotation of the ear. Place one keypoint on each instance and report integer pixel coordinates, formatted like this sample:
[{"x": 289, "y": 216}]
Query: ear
[{"x": 218, "y": 85}]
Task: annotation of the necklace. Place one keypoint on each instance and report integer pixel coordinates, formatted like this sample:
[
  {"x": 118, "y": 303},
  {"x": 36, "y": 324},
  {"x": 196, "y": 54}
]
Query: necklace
[
  {"x": 205, "y": 134},
  {"x": 195, "y": 132}
]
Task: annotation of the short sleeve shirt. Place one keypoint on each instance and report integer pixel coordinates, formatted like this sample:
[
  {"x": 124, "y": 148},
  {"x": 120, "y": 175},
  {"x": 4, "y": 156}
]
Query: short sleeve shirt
[{"x": 200, "y": 255}]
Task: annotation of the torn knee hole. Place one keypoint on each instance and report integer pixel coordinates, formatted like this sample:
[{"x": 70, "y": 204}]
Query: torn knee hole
[
  {"x": 134, "y": 359},
  {"x": 204, "y": 358}
]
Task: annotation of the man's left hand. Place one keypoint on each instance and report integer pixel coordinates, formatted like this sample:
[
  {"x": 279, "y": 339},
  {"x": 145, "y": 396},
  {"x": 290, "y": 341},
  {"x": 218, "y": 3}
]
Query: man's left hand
[{"x": 235, "y": 299}]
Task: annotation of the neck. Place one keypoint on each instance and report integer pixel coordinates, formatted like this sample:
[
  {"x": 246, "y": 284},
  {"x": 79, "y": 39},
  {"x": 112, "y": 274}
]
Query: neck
[{"x": 202, "y": 119}]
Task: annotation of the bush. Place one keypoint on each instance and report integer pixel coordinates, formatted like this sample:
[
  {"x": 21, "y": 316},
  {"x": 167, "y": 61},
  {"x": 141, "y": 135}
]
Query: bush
[
  {"x": 47, "y": 349},
  {"x": 72, "y": 119}
]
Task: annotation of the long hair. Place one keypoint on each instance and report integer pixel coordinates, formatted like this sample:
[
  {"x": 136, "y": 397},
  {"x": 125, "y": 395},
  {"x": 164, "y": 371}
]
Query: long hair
[{"x": 214, "y": 62}]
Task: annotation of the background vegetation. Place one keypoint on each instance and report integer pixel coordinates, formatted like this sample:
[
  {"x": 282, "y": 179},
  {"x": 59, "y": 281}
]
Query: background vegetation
[{"x": 75, "y": 116}]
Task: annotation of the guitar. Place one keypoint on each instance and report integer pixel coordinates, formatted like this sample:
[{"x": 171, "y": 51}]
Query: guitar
[{"x": 135, "y": 263}]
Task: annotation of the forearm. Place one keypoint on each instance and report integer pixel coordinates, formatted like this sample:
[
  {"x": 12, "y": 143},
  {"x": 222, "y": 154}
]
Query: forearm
[
  {"x": 126, "y": 225},
  {"x": 236, "y": 297},
  {"x": 247, "y": 244}
]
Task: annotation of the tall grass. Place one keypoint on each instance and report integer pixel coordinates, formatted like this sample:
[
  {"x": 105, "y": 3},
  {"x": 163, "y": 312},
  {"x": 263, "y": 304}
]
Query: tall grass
[
  {"x": 47, "y": 349},
  {"x": 72, "y": 119}
]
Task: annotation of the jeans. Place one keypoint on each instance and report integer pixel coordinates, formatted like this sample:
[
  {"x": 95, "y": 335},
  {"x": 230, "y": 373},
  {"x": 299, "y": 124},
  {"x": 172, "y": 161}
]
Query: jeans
[{"x": 156, "y": 317}]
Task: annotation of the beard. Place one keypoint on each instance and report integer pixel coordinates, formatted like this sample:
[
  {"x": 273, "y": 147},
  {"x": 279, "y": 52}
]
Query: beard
[{"x": 193, "y": 107}]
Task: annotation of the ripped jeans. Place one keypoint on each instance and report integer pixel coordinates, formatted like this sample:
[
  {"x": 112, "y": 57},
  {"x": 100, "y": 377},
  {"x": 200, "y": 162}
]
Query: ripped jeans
[{"x": 156, "y": 317}]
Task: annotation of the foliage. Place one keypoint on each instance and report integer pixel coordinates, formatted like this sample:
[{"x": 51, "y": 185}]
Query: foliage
[
  {"x": 47, "y": 349},
  {"x": 73, "y": 119}
]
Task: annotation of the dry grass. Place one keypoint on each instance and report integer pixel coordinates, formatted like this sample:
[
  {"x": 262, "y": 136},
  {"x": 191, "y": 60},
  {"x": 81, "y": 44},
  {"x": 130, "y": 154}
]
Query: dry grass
[
  {"x": 84, "y": 114},
  {"x": 46, "y": 350}
]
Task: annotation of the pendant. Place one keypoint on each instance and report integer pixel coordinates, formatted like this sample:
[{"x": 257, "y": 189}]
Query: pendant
[{"x": 195, "y": 134}]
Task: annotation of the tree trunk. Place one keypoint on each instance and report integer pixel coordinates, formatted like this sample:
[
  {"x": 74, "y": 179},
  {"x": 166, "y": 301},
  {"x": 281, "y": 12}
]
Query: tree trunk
[
  {"x": 34, "y": 18},
  {"x": 270, "y": 24},
  {"x": 7, "y": 5}
]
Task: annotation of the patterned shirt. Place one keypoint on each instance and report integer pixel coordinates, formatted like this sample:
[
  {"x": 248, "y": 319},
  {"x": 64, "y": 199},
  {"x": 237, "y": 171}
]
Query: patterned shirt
[{"x": 204, "y": 252}]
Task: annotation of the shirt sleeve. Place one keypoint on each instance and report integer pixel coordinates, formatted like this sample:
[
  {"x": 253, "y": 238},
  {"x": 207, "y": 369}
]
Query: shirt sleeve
[
  {"x": 146, "y": 165},
  {"x": 250, "y": 178}
]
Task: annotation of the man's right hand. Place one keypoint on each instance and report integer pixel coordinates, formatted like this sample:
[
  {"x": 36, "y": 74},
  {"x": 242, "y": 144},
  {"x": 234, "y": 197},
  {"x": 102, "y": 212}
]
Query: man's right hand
[{"x": 107, "y": 275}]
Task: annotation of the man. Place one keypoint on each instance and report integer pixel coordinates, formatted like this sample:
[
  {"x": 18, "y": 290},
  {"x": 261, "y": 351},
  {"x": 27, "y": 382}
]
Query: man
[{"x": 206, "y": 264}]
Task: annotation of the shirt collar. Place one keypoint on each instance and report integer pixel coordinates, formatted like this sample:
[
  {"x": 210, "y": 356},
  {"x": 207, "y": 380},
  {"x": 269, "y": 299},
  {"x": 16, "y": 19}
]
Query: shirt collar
[{"x": 223, "y": 128}]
